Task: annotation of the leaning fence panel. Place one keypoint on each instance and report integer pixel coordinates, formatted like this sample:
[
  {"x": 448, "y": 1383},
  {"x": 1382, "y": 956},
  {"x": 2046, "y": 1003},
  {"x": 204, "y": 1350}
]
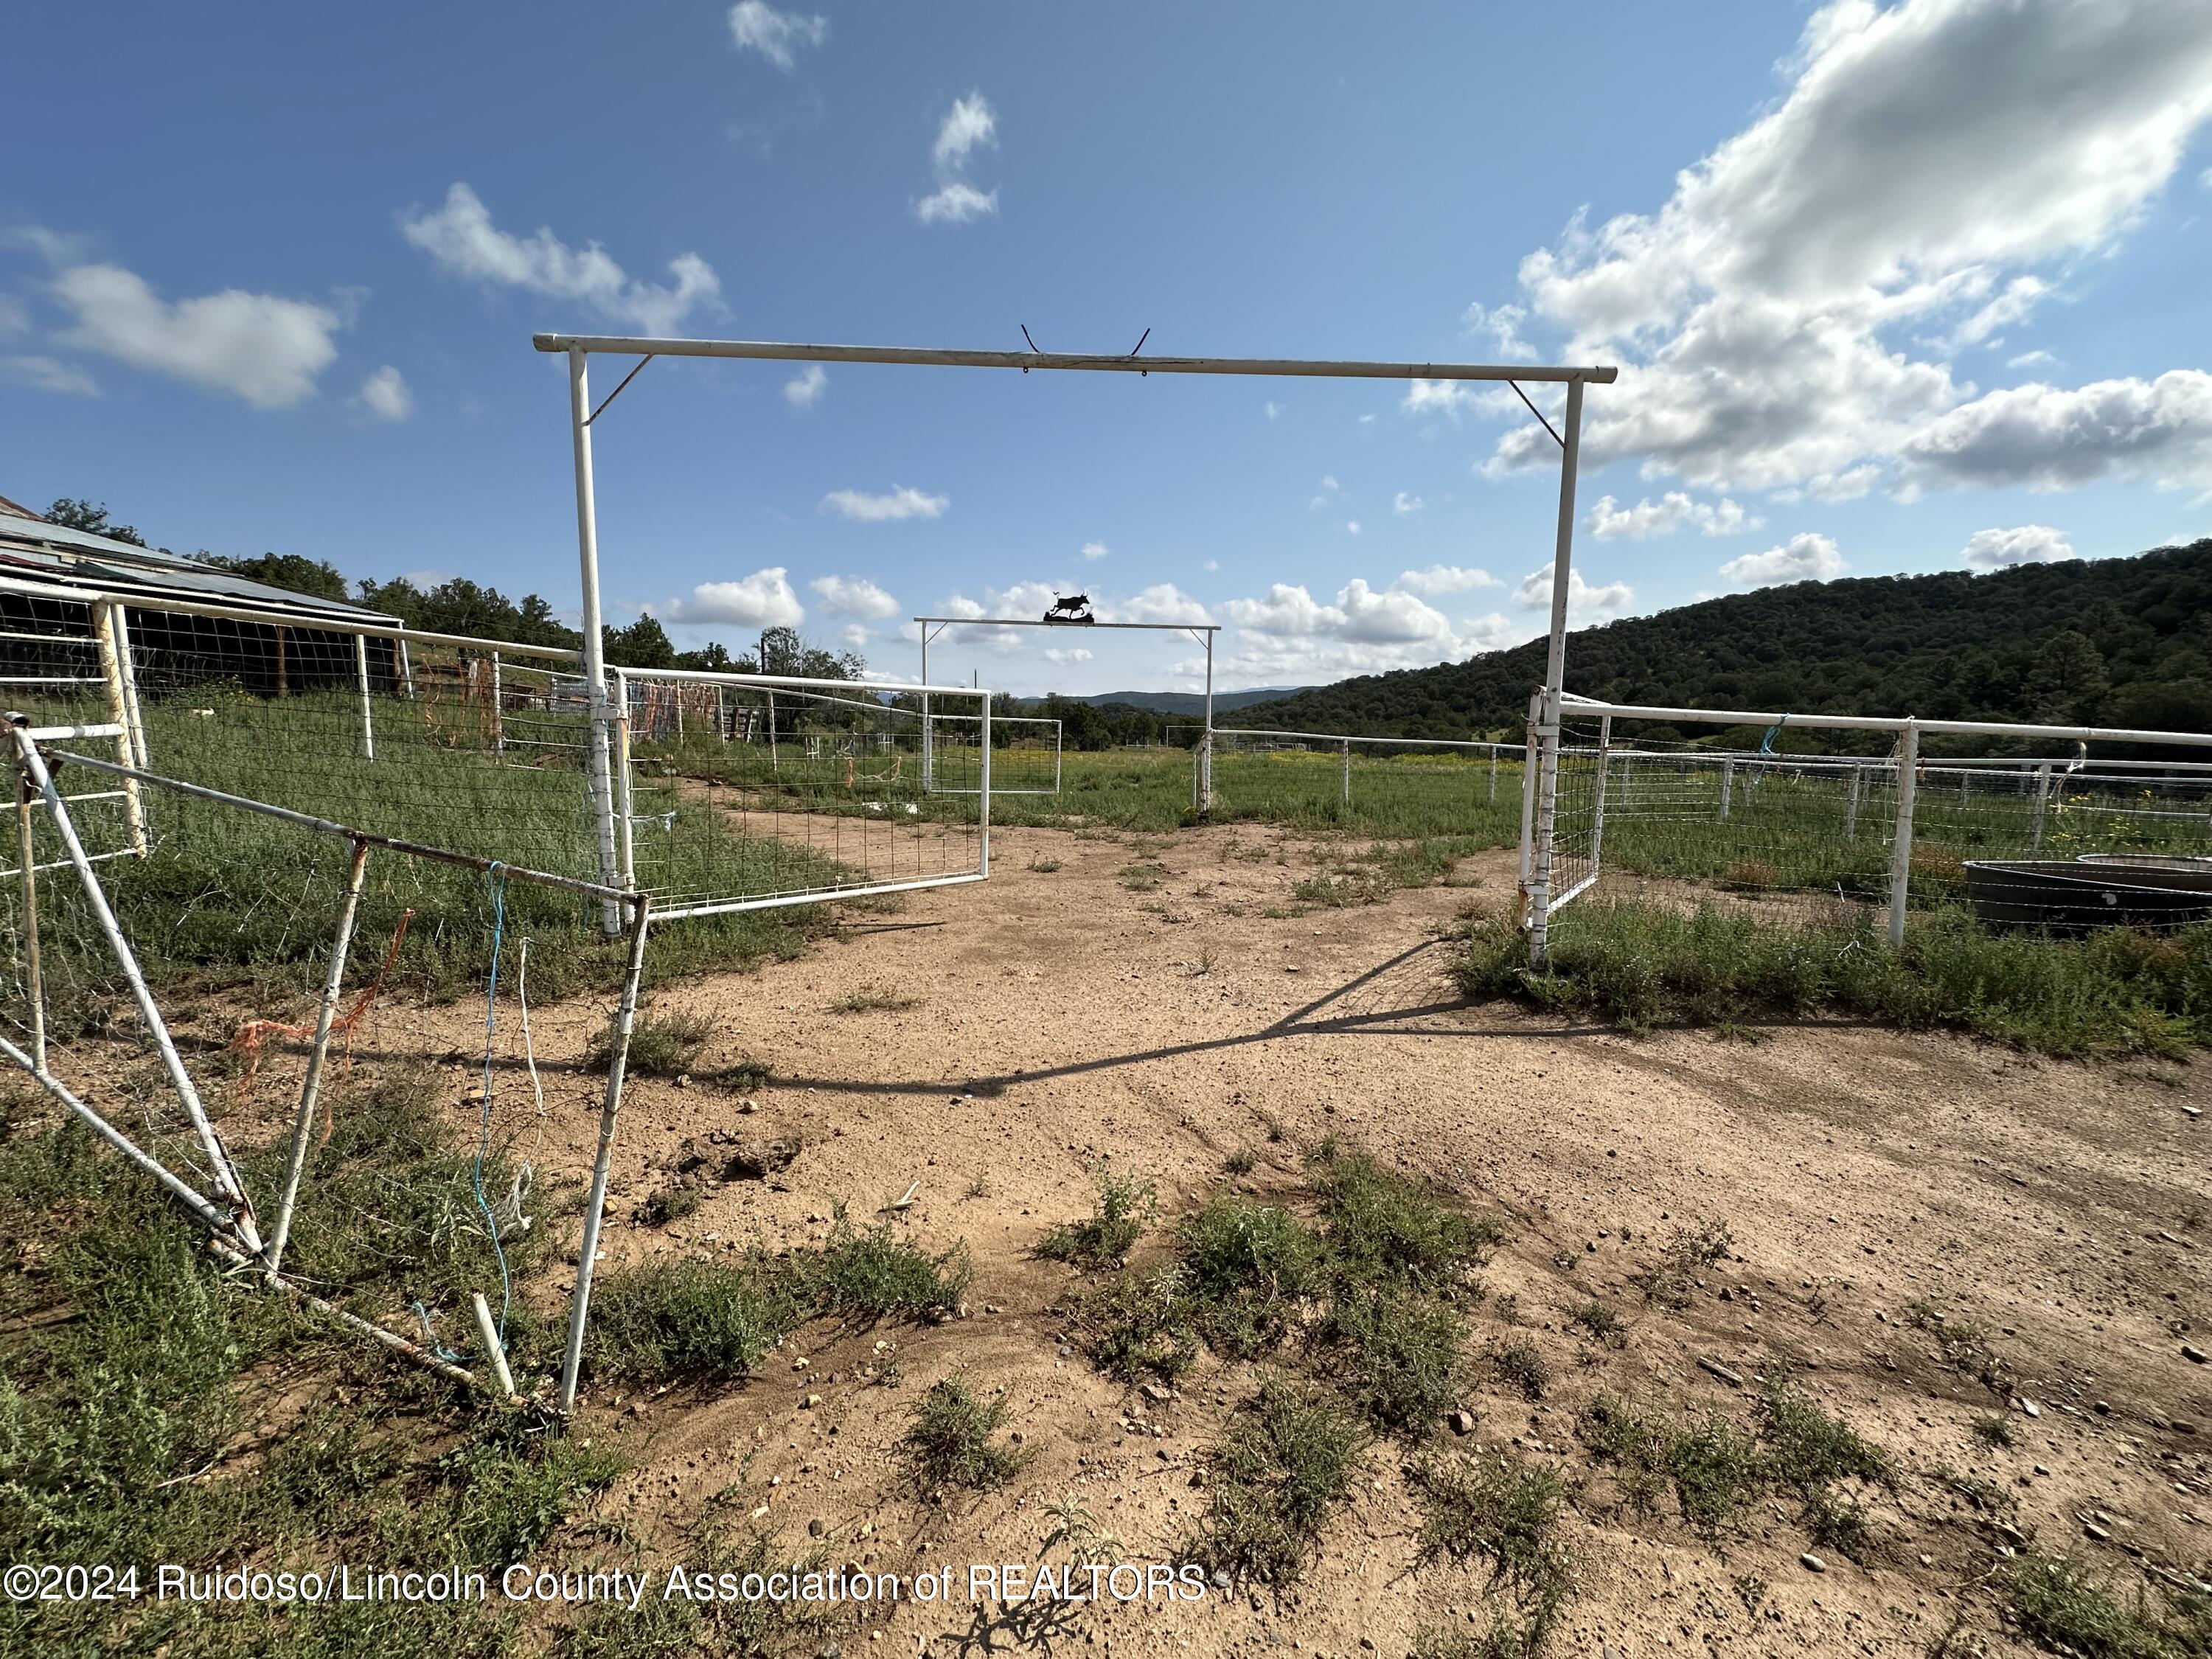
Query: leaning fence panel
[{"x": 370, "y": 1068}]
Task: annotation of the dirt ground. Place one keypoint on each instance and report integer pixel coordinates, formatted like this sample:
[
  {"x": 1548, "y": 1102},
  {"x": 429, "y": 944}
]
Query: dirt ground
[{"x": 1060, "y": 1015}]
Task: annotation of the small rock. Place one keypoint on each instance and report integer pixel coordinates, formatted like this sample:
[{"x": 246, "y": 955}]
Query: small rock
[
  {"x": 2103, "y": 1409},
  {"x": 2092, "y": 1529},
  {"x": 1221, "y": 1578},
  {"x": 2031, "y": 1408},
  {"x": 2194, "y": 1355},
  {"x": 1155, "y": 1391},
  {"x": 1811, "y": 1562},
  {"x": 810, "y": 1402},
  {"x": 816, "y": 1527},
  {"x": 2040, "y": 1469},
  {"x": 1460, "y": 1422}
]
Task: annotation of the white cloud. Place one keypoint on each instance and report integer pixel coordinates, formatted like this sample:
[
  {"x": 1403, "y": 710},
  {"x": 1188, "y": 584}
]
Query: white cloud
[
  {"x": 1673, "y": 511},
  {"x": 855, "y": 636},
  {"x": 1287, "y": 635},
  {"x": 1935, "y": 166},
  {"x": 1074, "y": 654},
  {"x": 1213, "y": 564},
  {"x": 854, "y": 596},
  {"x": 778, "y": 36},
  {"x": 47, "y": 374},
  {"x": 1502, "y": 325},
  {"x": 804, "y": 389},
  {"x": 1402, "y": 503},
  {"x": 264, "y": 349},
  {"x": 1584, "y": 599},
  {"x": 385, "y": 395},
  {"x": 764, "y": 599},
  {"x": 2026, "y": 543},
  {"x": 1436, "y": 397},
  {"x": 1273, "y": 408},
  {"x": 2051, "y": 438},
  {"x": 461, "y": 238},
  {"x": 1445, "y": 579},
  {"x": 1094, "y": 549},
  {"x": 901, "y": 503},
  {"x": 970, "y": 125},
  {"x": 1351, "y": 527},
  {"x": 1806, "y": 557},
  {"x": 2030, "y": 360}
]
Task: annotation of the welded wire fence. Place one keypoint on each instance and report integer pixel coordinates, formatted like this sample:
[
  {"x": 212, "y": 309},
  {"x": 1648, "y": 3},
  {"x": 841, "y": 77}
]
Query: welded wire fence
[
  {"x": 796, "y": 790},
  {"x": 1377, "y": 786},
  {"x": 377, "y": 1067},
  {"x": 1867, "y": 824}
]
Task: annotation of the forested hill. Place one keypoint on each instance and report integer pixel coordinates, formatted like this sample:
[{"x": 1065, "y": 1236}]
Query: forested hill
[{"x": 2105, "y": 642}]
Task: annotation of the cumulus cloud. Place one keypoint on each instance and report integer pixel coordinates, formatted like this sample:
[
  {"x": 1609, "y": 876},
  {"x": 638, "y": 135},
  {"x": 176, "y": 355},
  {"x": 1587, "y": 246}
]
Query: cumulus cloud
[
  {"x": 1401, "y": 503},
  {"x": 461, "y": 238},
  {"x": 1163, "y": 602},
  {"x": 1806, "y": 557},
  {"x": 1437, "y": 397},
  {"x": 260, "y": 347},
  {"x": 1585, "y": 600},
  {"x": 804, "y": 389},
  {"x": 2026, "y": 543},
  {"x": 385, "y": 395},
  {"x": 1608, "y": 520},
  {"x": 1446, "y": 579},
  {"x": 778, "y": 36},
  {"x": 1076, "y": 653},
  {"x": 854, "y": 596},
  {"x": 764, "y": 599},
  {"x": 1351, "y": 527},
  {"x": 901, "y": 504},
  {"x": 1288, "y": 635},
  {"x": 1094, "y": 549},
  {"x": 1501, "y": 326},
  {"x": 2051, "y": 438},
  {"x": 1935, "y": 166},
  {"x": 970, "y": 125}
]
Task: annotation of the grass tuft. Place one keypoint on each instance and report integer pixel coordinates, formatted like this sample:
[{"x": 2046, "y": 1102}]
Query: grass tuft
[
  {"x": 1508, "y": 1514},
  {"x": 1103, "y": 1239},
  {"x": 948, "y": 1441},
  {"x": 1288, "y": 1460},
  {"x": 660, "y": 1045}
]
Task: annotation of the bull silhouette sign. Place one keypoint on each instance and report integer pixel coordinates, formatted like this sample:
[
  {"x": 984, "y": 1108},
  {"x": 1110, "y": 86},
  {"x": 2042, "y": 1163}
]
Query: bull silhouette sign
[{"x": 1070, "y": 608}]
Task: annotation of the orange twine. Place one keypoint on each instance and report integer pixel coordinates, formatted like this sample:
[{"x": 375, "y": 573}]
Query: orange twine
[{"x": 256, "y": 1032}]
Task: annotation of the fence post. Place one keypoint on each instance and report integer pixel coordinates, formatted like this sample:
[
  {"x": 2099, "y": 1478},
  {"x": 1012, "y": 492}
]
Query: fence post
[
  {"x": 1597, "y": 802},
  {"x": 33, "y": 984},
  {"x": 1493, "y": 774},
  {"x": 1851, "y": 805},
  {"x": 625, "y": 807},
  {"x": 1728, "y": 786},
  {"x": 498, "y": 710},
  {"x": 119, "y": 712},
  {"x": 367, "y": 708},
  {"x": 1529, "y": 803},
  {"x": 1547, "y": 836},
  {"x": 1344, "y": 748},
  {"x": 295, "y": 1163},
  {"x": 120, "y": 620},
  {"x": 2042, "y": 800},
  {"x": 1900, "y": 856},
  {"x": 406, "y": 673},
  {"x": 983, "y": 794}
]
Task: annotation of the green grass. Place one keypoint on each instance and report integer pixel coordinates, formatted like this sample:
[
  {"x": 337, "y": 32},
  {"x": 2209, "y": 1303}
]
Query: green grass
[
  {"x": 2064, "y": 1608},
  {"x": 1104, "y": 1238},
  {"x": 948, "y": 1440},
  {"x": 660, "y": 1045},
  {"x": 1246, "y": 1264},
  {"x": 1386, "y": 1229},
  {"x": 1286, "y": 1462},
  {"x": 697, "y": 1317},
  {"x": 1507, "y": 1515},
  {"x": 1643, "y": 966},
  {"x": 1395, "y": 1359}
]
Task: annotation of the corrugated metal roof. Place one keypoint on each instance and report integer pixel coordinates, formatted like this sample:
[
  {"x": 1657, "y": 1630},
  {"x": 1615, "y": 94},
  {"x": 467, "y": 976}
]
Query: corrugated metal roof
[{"x": 56, "y": 552}]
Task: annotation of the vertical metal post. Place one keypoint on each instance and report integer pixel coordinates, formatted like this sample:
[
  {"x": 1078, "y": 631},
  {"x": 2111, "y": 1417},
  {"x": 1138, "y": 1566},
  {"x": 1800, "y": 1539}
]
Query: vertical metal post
[
  {"x": 775, "y": 762},
  {"x": 1344, "y": 747},
  {"x": 928, "y": 758},
  {"x": 595, "y": 661},
  {"x": 406, "y": 673},
  {"x": 595, "y": 1205},
  {"x": 1205, "y": 756},
  {"x": 225, "y": 1178},
  {"x": 1900, "y": 856},
  {"x": 2042, "y": 801},
  {"x": 625, "y": 805},
  {"x": 303, "y": 1124},
  {"x": 1528, "y": 793},
  {"x": 34, "y": 982},
  {"x": 498, "y": 711},
  {"x": 721, "y": 714},
  {"x": 984, "y": 784},
  {"x": 119, "y": 623},
  {"x": 118, "y": 712},
  {"x": 368, "y": 706},
  {"x": 1728, "y": 787},
  {"x": 1493, "y": 774},
  {"x": 1852, "y": 804},
  {"x": 494, "y": 1350},
  {"x": 1597, "y": 801},
  {"x": 1555, "y": 668}
]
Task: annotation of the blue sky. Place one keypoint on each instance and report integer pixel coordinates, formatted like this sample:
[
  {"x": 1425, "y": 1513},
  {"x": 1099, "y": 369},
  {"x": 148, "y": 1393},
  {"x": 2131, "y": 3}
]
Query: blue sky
[{"x": 1894, "y": 288}]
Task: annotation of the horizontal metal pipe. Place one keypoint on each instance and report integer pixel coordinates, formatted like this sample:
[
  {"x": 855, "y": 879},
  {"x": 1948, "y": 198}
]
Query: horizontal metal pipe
[
  {"x": 1343, "y": 737},
  {"x": 782, "y": 682},
  {"x": 668, "y": 910},
  {"x": 391, "y": 1340},
  {"x": 326, "y": 826},
  {"x": 1322, "y": 369},
  {"x": 63, "y": 733},
  {"x": 1885, "y": 723},
  {"x": 1030, "y": 622}
]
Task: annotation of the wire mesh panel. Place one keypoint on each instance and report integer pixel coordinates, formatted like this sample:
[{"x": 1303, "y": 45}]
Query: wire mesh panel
[
  {"x": 772, "y": 791},
  {"x": 1025, "y": 752},
  {"x": 1381, "y": 786}
]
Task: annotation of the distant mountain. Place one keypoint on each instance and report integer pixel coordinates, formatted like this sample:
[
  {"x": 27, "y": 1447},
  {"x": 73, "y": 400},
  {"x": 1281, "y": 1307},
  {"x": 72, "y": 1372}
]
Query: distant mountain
[
  {"x": 1192, "y": 702},
  {"x": 2124, "y": 643}
]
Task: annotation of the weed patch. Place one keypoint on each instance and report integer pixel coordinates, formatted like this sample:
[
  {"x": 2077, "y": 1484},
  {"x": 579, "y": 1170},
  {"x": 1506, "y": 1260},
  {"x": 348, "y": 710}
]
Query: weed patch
[
  {"x": 1507, "y": 1514},
  {"x": 948, "y": 1441},
  {"x": 1103, "y": 1239},
  {"x": 1288, "y": 1460}
]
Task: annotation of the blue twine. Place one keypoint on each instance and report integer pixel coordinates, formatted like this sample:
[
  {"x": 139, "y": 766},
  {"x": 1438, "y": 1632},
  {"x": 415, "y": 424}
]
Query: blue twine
[
  {"x": 497, "y": 873},
  {"x": 1767, "y": 742},
  {"x": 430, "y": 1337}
]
